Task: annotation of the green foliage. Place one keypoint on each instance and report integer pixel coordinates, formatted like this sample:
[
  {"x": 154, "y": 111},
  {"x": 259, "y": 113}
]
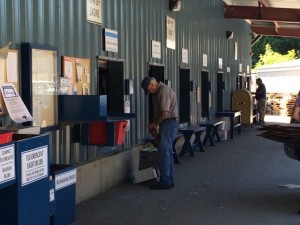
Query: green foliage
[
  {"x": 271, "y": 57},
  {"x": 281, "y": 45}
]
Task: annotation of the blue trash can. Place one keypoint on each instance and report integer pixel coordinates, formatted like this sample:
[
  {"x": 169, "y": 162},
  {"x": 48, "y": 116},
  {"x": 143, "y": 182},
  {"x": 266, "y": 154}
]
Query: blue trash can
[{"x": 65, "y": 193}]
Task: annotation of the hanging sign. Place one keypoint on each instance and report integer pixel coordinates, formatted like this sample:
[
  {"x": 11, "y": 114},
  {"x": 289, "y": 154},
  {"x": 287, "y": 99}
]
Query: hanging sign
[
  {"x": 111, "y": 40},
  {"x": 170, "y": 32},
  {"x": 156, "y": 49},
  {"x": 93, "y": 11}
]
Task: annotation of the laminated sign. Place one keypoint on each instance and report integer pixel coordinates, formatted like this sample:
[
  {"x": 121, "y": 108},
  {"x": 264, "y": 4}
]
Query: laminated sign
[
  {"x": 34, "y": 165},
  {"x": 14, "y": 104}
]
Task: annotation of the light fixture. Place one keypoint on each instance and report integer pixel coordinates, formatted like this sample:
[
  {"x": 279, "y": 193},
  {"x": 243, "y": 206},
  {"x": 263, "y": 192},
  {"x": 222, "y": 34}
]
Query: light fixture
[
  {"x": 229, "y": 34},
  {"x": 174, "y": 5}
]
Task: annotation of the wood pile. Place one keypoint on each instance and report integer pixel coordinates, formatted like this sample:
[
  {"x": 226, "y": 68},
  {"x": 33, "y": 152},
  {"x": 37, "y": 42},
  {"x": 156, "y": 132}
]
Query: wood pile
[
  {"x": 285, "y": 133},
  {"x": 281, "y": 104},
  {"x": 290, "y": 104}
]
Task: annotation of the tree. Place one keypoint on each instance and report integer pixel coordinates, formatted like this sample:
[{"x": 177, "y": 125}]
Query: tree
[
  {"x": 279, "y": 44},
  {"x": 271, "y": 57}
]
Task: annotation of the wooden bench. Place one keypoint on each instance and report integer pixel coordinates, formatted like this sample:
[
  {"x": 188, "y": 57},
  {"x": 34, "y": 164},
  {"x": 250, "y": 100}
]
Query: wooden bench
[
  {"x": 187, "y": 134},
  {"x": 211, "y": 131}
]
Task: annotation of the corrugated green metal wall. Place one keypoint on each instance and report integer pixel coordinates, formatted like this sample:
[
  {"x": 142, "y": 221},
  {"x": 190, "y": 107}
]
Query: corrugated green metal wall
[{"x": 200, "y": 27}]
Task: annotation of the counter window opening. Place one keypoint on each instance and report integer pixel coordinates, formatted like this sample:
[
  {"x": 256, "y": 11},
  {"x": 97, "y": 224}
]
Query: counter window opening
[{"x": 111, "y": 83}]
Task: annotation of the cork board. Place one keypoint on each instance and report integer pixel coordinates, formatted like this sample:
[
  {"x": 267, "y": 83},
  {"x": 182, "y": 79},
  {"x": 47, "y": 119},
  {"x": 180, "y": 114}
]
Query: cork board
[
  {"x": 9, "y": 74},
  {"x": 77, "y": 71}
]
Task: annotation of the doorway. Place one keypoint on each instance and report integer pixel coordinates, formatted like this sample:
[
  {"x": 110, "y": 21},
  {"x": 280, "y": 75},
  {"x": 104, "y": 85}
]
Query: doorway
[
  {"x": 220, "y": 91},
  {"x": 205, "y": 92},
  {"x": 157, "y": 71},
  {"x": 184, "y": 95}
]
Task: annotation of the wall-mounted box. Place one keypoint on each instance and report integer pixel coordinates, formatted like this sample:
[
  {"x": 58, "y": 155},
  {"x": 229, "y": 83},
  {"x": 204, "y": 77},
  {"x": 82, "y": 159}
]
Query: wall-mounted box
[{"x": 87, "y": 108}]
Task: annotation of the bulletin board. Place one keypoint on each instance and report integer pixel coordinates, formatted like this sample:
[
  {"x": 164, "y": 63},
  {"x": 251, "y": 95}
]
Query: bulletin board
[
  {"x": 77, "y": 71},
  {"x": 40, "y": 66},
  {"x": 9, "y": 74}
]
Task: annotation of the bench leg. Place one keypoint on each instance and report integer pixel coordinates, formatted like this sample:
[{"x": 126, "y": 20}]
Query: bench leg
[
  {"x": 197, "y": 141},
  {"x": 216, "y": 133},
  {"x": 187, "y": 145},
  {"x": 208, "y": 136}
]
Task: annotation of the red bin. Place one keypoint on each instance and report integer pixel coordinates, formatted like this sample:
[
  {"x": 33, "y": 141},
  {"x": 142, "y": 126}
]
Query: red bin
[
  {"x": 5, "y": 137},
  {"x": 99, "y": 132}
]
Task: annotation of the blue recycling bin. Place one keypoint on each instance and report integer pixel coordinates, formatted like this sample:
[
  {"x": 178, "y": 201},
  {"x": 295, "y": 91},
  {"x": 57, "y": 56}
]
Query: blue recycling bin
[
  {"x": 26, "y": 201},
  {"x": 65, "y": 194}
]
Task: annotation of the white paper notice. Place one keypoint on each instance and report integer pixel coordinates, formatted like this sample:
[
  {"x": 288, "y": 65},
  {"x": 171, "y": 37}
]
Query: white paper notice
[
  {"x": 11, "y": 65},
  {"x": 7, "y": 163},
  {"x": 4, "y": 51},
  {"x": 79, "y": 70},
  {"x": 69, "y": 69},
  {"x": 14, "y": 104},
  {"x": 2, "y": 62}
]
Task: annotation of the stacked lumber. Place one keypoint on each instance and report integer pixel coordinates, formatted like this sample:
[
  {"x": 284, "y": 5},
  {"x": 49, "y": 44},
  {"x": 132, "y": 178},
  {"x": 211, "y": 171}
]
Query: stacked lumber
[
  {"x": 290, "y": 104},
  {"x": 285, "y": 133},
  {"x": 281, "y": 103}
]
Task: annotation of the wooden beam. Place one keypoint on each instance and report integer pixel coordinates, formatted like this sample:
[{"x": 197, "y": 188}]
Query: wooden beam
[
  {"x": 273, "y": 31},
  {"x": 262, "y": 13}
]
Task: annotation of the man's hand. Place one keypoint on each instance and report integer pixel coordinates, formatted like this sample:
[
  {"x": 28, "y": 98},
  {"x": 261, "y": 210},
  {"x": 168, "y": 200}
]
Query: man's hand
[{"x": 152, "y": 125}]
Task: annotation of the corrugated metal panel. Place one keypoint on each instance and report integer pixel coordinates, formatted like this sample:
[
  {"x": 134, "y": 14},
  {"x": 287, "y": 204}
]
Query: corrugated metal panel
[{"x": 200, "y": 27}]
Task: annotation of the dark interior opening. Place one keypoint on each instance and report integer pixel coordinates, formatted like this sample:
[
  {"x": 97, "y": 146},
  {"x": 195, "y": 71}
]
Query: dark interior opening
[{"x": 184, "y": 95}]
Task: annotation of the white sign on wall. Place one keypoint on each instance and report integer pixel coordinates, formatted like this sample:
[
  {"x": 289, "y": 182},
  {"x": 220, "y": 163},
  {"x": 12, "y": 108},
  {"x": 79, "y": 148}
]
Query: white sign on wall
[
  {"x": 66, "y": 179},
  {"x": 220, "y": 63},
  {"x": 34, "y": 165},
  {"x": 156, "y": 49},
  {"x": 185, "y": 56},
  {"x": 7, "y": 163},
  {"x": 170, "y": 32},
  {"x": 204, "y": 60},
  {"x": 235, "y": 50},
  {"x": 93, "y": 11},
  {"x": 111, "y": 40}
]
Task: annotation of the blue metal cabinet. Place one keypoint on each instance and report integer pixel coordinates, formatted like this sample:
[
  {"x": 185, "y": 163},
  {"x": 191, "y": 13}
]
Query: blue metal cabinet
[
  {"x": 65, "y": 194},
  {"x": 26, "y": 202}
]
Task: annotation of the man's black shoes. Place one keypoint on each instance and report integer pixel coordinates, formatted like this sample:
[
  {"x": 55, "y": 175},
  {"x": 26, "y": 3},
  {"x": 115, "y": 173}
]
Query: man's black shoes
[{"x": 160, "y": 186}]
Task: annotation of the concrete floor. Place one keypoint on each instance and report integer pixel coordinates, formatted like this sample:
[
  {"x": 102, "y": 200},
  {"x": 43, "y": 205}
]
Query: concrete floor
[{"x": 232, "y": 183}]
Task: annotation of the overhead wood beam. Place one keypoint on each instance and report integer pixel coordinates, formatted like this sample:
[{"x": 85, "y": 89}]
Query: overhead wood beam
[
  {"x": 272, "y": 31},
  {"x": 262, "y": 13}
]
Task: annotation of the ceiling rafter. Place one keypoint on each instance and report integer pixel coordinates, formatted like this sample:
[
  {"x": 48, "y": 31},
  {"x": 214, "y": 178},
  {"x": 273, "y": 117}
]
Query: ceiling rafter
[
  {"x": 267, "y": 17},
  {"x": 262, "y": 13}
]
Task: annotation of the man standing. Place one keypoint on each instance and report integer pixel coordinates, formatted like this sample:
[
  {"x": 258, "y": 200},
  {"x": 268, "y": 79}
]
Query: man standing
[
  {"x": 165, "y": 114},
  {"x": 261, "y": 97}
]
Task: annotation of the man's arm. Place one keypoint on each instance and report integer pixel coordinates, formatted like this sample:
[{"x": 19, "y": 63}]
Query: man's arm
[{"x": 162, "y": 116}]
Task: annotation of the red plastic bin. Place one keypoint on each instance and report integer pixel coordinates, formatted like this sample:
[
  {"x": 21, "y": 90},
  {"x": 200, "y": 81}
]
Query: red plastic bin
[
  {"x": 120, "y": 131},
  {"x": 5, "y": 137},
  {"x": 99, "y": 132}
]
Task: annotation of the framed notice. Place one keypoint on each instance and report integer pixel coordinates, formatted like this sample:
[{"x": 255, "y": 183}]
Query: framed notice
[
  {"x": 110, "y": 40},
  {"x": 93, "y": 11},
  {"x": 39, "y": 83},
  {"x": 171, "y": 42}
]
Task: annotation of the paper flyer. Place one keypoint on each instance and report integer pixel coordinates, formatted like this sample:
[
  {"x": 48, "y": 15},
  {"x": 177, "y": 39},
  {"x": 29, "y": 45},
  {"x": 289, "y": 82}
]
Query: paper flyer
[
  {"x": 4, "y": 51},
  {"x": 14, "y": 104}
]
